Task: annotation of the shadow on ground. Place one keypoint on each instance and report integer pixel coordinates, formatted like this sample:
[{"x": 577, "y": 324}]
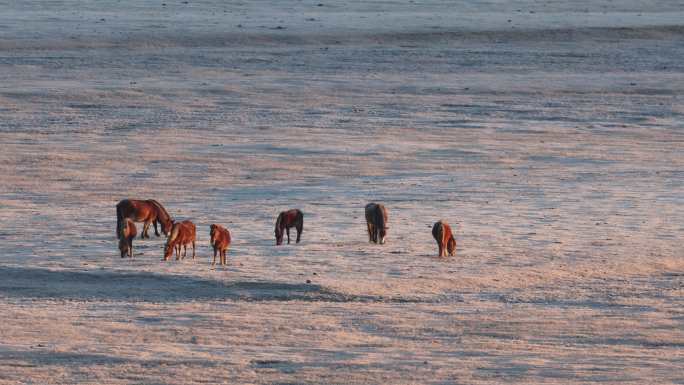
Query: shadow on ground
[{"x": 16, "y": 282}]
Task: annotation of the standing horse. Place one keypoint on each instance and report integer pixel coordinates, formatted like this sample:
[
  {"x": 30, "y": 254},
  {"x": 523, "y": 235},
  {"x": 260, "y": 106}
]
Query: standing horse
[
  {"x": 182, "y": 234},
  {"x": 220, "y": 240},
  {"x": 149, "y": 211},
  {"x": 127, "y": 232},
  {"x": 286, "y": 220},
  {"x": 376, "y": 220},
  {"x": 444, "y": 237}
]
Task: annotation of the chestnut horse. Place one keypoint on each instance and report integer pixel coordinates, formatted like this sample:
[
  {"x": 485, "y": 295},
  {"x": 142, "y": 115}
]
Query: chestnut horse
[
  {"x": 182, "y": 234},
  {"x": 445, "y": 239},
  {"x": 148, "y": 211},
  {"x": 286, "y": 220},
  {"x": 376, "y": 220},
  {"x": 220, "y": 240},
  {"x": 127, "y": 232}
]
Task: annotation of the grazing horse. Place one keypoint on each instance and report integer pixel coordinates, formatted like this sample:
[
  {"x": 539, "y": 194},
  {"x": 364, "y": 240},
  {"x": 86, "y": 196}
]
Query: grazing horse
[
  {"x": 220, "y": 240},
  {"x": 286, "y": 220},
  {"x": 148, "y": 211},
  {"x": 127, "y": 232},
  {"x": 445, "y": 239},
  {"x": 182, "y": 234},
  {"x": 376, "y": 220}
]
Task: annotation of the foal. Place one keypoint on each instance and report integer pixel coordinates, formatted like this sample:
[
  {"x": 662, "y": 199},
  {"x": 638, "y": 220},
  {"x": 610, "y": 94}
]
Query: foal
[
  {"x": 182, "y": 234},
  {"x": 127, "y": 232},
  {"x": 444, "y": 237},
  {"x": 376, "y": 220},
  {"x": 286, "y": 220},
  {"x": 220, "y": 240}
]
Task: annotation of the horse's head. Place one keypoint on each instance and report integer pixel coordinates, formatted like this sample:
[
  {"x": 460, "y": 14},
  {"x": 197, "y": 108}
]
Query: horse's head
[
  {"x": 279, "y": 230},
  {"x": 451, "y": 246},
  {"x": 383, "y": 234},
  {"x": 212, "y": 233},
  {"x": 279, "y": 236},
  {"x": 166, "y": 226},
  {"x": 168, "y": 249},
  {"x": 123, "y": 247}
]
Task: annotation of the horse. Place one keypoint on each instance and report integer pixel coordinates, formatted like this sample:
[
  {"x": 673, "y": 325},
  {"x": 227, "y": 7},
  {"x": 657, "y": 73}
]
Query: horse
[
  {"x": 182, "y": 234},
  {"x": 148, "y": 211},
  {"x": 445, "y": 239},
  {"x": 220, "y": 240},
  {"x": 376, "y": 220},
  {"x": 127, "y": 232},
  {"x": 286, "y": 220}
]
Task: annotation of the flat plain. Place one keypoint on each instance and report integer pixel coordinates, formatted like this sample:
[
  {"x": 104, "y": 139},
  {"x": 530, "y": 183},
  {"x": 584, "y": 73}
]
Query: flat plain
[{"x": 549, "y": 134}]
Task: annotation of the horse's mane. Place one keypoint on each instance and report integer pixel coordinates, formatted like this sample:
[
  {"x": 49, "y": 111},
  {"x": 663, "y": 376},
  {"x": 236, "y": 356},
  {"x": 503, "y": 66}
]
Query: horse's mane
[
  {"x": 174, "y": 233},
  {"x": 160, "y": 209},
  {"x": 122, "y": 228},
  {"x": 280, "y": 219}
]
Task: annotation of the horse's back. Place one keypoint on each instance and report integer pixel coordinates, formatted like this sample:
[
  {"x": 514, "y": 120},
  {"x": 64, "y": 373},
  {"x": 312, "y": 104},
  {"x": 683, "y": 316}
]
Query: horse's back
[
  {"x": 291, "y": 216},
  {"x": 376, "y": 213},
  {"x": 188, "y": 231}
]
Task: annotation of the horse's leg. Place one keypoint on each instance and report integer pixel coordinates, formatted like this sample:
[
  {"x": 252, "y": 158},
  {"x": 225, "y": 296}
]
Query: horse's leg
[
  {"x": 213, "y": 261},
  {"x": 146, "y": 227},
  {"x": 287, "y": 229},
  {"x": 370, "y": 233},
  {"x": 130, "y": 247},
  {"x": 300, "y": 228},
  {"x": 156, "y": 232},
  {"x": 223, "y": 257},
  {"x": 178, "y": 252},
  {"x": 193, "y": 250}
]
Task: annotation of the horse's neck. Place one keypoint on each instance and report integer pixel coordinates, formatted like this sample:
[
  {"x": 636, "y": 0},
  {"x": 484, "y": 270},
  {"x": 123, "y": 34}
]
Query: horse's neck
[{"x": 161, "y": 211}]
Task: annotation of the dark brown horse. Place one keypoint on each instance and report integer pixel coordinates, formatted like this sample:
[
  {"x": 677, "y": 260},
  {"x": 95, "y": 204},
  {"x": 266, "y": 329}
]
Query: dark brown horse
[
  {"x": 149, "y": 211},
  {"x": 376, "y": 220},
  {"x": 220, "y": 240},
  {"x": 445, "y": 238},
  {"x": 182, "y": 234},
  {"x": 127, "y": 232},
  {"x": 286, "y": 220}
]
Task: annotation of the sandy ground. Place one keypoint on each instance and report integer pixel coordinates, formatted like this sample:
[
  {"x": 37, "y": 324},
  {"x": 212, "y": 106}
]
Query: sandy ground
[{"x": 549, "y": 134}]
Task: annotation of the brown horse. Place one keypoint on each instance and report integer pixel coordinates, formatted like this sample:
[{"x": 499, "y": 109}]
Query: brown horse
[
  {"x": 445, "y": 239},
  {"x": 148, "y": 211},
  {"x": 376, "y": 220},
  {"x": 182, "y": 234},
  {"x": 287, "y": 220},
  {"x": 127, "y": 232},
  {"x": 220, "y": 240}
]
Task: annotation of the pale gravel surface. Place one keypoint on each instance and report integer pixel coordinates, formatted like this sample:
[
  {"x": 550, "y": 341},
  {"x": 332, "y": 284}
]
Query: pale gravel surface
[{"x": 553, "y": 144}]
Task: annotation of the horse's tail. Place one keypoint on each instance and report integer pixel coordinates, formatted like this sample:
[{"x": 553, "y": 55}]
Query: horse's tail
[{"x": 119, "y": 216}]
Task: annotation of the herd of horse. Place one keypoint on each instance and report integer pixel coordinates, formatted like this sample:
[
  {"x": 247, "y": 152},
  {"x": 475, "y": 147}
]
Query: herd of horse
[{"x": 184, "y": 233}]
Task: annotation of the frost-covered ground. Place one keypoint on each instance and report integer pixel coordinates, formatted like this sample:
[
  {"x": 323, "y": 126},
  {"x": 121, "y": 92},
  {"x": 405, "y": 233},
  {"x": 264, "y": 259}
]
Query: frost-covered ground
[{"x": 549, "y": 134}]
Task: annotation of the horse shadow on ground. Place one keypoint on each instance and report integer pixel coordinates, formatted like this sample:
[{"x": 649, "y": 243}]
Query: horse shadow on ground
[{"x": 38, "y": 283}]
